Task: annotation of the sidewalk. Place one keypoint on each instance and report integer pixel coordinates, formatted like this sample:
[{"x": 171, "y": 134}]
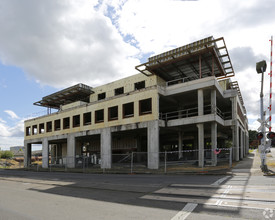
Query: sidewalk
[{"x": 252, "y": 163}]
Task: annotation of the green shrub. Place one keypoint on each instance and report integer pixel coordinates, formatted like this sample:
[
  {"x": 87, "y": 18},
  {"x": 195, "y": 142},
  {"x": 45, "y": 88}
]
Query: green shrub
[{"x": 6, "y": 154}]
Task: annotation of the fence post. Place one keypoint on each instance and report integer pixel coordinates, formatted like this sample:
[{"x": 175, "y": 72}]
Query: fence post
[
  {"x": 132, "y": 158},
  {"x": 66, "y": 164},
  {"x": 165, "y": 155},
  {"x": 230, "y": 157},
  {"x": 83, "y": 163}
]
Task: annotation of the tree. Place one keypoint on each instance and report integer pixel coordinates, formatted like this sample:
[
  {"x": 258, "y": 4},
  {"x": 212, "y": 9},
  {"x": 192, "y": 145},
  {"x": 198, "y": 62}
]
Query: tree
[
  {"x": 6, "y": 154},
  {"x": 252, "y": 135}
]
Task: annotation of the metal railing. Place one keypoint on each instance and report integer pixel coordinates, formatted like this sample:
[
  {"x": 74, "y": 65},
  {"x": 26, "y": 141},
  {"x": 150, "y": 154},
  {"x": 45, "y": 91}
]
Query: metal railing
[
  {"x": 192, "y": 112},
  {"x": 179, "y": 81}
]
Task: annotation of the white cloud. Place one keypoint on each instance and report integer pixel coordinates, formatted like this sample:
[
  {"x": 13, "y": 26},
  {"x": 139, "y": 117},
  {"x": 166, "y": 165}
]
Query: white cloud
[
  {"x": 2, "y": 121},
  {"x": 66, "y": 42},
  {"x": 63, "y": 42},
  {"x": 11, "y": 114},
  {"x": 246, "y": 28},
  {"x": 11, "y": 133}
]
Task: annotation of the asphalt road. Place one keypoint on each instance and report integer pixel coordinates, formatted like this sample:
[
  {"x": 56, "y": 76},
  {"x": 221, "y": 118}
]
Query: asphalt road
[{"x": 43, "y": 195}]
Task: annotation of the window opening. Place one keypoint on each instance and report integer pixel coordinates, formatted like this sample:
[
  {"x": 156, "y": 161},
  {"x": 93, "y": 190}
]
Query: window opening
[
  {"x": 113, "y": 113},
  {"x": 101, "y": 96},
  {"x": 145, "y": 106},
  {"x": 76, "y": 120},
  {"x": 28, "y": 131},
  {"x": 140, "y": 85},
  {"x": 34, "y": 129},
  {"x": 87, "y": 118},
  {"x": 119, "y": 91},
  {"x": 99, "y": 116},
  {"x": 128, "y": 110},
  {"x": 49, "y": 126},
  {"x": 41, "y": 128},
  {"x": 57, "y": 125},
  {"x": 66, "y": 123}
]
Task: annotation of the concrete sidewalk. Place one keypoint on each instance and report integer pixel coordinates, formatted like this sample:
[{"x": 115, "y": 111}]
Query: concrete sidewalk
[{"x": 252, "y": 163}]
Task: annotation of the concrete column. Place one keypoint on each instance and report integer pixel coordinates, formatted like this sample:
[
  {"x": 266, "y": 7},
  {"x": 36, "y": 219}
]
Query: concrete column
[
  {"x": 247, "y": 143},
  {"x": 234, "y": 109},
  {"x": 213, "y": 142},
  {"x": 195, "y": 147},
  {"x": 27, "y": 154},
  {"x": 213, "y": 101},
  {"x": 70, "y": 151},
  {"x": 200, "y": 102},
  {"x": 242, "y": 144},
  {"x": 45, "y": 153},
  {"x": 153, "y": 144},
  {"x": 106, "y": 148},
  {"x": 180, "y": 133},
  {"x": 201, "y": 144},
  {"x": 236, "y": 143},
  {"x": 235, "y": 128}
]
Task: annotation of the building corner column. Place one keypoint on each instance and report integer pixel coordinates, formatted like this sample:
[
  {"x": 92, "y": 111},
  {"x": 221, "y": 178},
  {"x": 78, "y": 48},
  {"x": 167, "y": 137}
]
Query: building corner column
[
  {"x": 153, "y": 144},
  {"x": 213, "y": 143},
  {"x": 237, "y": 142},
  {"x": 180, "y": 134},
  {"x": 242, "y": 144},
  {"x": 106, "y": 148},
  {"x": 70, "y": 151},
  {"x": 213, "y": 101},
  {"x": 27, "y": 154},
  {"x": 45, "y": 153},
  {"x": 201, "y": 144},
  {"x": 200, "y": 102}
]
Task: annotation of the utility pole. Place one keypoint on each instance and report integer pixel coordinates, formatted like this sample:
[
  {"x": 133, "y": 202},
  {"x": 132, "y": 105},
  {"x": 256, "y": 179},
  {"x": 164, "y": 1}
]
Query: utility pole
[{"x": 261, "y": 68}]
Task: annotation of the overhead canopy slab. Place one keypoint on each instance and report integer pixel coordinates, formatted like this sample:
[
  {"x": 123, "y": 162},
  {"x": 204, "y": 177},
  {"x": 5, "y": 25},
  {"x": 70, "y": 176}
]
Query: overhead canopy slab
[
  {"x": 79, "y": 92},
  {"x": 206, "y": 57}
]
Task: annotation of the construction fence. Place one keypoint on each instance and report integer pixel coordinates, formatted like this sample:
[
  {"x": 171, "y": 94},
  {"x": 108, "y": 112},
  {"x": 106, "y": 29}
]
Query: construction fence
[{"x": 137, "y": 162}]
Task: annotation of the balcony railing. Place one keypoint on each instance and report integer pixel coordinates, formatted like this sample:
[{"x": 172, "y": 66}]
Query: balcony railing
[
  {"x": 178, "y": 81},
  {"x": 192, "y": 112}
]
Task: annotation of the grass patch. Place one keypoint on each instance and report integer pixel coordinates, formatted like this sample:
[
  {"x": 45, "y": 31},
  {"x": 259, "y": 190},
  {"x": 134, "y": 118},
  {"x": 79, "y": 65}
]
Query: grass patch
[
  {"x": 271, "y": 163},
  {"x": 10, "y": 163}
]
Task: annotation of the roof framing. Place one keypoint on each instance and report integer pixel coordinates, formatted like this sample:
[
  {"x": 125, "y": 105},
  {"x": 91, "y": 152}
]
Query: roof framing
[
  {"x": 79, "y": 92},
  {"x": 199, "y": 59}
]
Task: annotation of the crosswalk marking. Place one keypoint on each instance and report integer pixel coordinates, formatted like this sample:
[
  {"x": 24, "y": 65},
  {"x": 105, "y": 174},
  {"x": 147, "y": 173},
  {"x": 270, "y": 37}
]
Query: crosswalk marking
[
  {"x": 183, "y": 214},
  {"x": 253, "y": 197},
  {"x": 220, "y": 181}
]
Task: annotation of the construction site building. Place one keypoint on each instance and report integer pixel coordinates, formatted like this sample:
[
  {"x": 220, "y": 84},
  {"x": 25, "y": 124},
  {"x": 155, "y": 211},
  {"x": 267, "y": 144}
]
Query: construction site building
[{"x": 183, "y": 99}]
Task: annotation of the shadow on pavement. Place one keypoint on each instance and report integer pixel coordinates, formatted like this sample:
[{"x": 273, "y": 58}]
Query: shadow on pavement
[{"x": 129, "y": 189}]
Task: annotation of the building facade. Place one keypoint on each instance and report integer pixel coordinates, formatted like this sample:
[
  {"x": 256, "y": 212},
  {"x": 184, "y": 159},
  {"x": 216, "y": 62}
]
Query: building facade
[{"x": 181, "y": 99}]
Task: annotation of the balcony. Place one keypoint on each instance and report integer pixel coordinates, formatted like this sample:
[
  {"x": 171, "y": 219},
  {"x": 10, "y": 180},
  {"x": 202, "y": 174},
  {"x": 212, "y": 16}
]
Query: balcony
[{"x": 193, "y": 112}]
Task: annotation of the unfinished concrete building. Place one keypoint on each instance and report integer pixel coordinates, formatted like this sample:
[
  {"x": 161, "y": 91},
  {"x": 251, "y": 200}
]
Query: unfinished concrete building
[{"x": 182, "y": 99}]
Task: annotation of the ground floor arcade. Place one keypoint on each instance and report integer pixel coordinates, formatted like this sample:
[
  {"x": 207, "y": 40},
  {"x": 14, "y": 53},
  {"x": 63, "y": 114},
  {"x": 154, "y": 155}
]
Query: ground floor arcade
[{"x": 195, "y": 142}]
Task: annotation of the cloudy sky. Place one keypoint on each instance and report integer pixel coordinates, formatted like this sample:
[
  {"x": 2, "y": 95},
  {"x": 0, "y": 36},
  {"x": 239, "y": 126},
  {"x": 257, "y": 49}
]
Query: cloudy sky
[{"x": 48, "y": 45}]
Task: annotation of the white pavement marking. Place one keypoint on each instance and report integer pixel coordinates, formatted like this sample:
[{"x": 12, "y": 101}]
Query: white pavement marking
[
  {"x": 183, "y": 214},
  {"x": 219, "y": 202},
  {"x": 220, "y": 181},
  {"x": 237, "y": 196}
]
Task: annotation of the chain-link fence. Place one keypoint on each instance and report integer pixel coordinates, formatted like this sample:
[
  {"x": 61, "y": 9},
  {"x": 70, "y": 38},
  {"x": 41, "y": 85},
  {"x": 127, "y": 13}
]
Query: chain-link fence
[
  {"x": 188, "y": 160},
  {"x": 137, "y": 162}
]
